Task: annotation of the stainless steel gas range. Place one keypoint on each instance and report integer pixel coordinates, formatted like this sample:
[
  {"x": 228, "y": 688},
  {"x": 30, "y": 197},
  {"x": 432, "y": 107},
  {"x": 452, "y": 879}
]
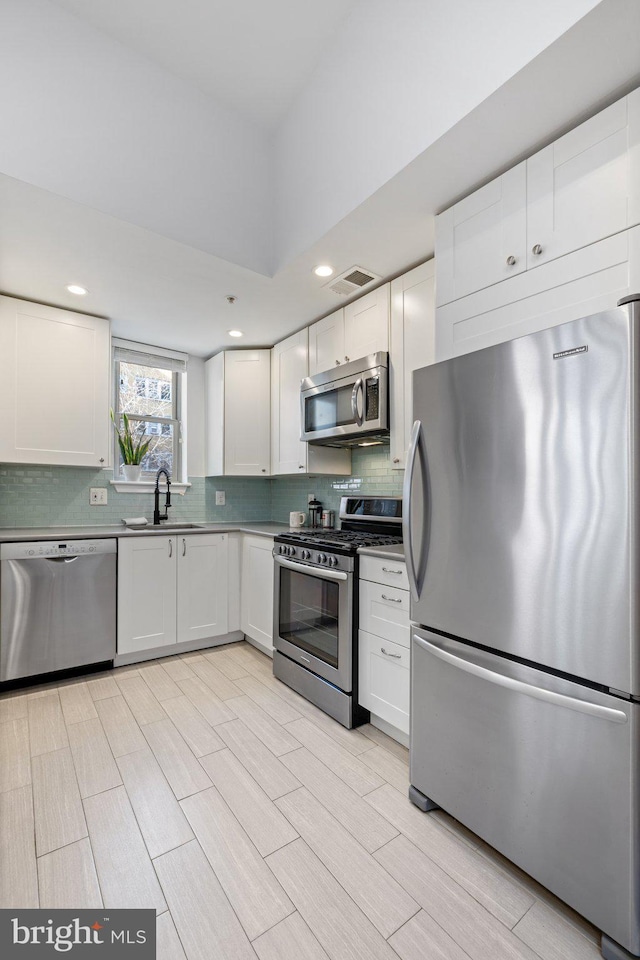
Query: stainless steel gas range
[{"x": 316, "y": 604}]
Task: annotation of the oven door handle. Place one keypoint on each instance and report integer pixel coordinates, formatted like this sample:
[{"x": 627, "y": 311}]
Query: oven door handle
[{"x": 315, "y": 571}]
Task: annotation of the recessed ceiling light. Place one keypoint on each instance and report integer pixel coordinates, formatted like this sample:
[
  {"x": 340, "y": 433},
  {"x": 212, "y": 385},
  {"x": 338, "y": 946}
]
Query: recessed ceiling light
[
  {"x": 74, "y": 288},
  {"x": 324, "y": 270},
  {"x": 235, "y": 333}
]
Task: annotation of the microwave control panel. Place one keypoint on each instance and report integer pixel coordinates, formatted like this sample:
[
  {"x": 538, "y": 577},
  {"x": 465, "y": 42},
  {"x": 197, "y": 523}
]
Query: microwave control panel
[{"x": 373, "y": 395}]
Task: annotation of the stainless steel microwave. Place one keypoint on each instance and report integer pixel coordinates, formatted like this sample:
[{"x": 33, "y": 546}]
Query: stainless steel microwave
[{"x": 349, "y": 405}]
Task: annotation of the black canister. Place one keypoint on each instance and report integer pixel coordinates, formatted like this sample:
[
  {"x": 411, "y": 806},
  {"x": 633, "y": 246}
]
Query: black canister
[{"x": 315, "y": 513}]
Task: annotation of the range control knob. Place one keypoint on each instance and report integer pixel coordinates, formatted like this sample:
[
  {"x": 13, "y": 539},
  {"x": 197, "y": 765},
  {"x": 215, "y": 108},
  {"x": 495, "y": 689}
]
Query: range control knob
[
  {"x": 292, "y": 551},
  {"x": 282, "y": 549},
  {"x": 306, "y": 554},
  {"x": 322, "y": 558},
  {"x": 333, "y": 561}
]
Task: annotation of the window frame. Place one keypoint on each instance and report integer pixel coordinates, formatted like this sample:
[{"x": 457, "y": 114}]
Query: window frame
[{"x": 175, "y": 421}]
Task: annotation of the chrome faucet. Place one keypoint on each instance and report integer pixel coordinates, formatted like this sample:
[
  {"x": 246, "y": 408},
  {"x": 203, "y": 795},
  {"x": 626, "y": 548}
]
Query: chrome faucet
[{"x": 157, "y": 516}]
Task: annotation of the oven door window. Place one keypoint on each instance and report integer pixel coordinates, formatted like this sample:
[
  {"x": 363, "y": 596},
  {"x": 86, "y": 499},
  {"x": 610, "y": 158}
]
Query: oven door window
[
  {"x": 308, "y": 613},
  {"x": 322, "y": 411}
]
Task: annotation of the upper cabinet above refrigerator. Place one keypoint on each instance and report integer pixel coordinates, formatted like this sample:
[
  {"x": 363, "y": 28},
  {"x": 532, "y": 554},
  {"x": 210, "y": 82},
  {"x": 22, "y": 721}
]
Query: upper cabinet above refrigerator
[{"x": 576, "y": 191}]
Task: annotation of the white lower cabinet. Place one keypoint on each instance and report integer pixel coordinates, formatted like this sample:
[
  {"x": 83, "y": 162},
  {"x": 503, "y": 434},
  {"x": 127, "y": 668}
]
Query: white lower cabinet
[
  {"x": 171, "y": 590},
  {"x": 256, "y": 590},
  {"x": 384, "y": 679},
  {"x": 202, "y": 586},
  {"x": 384, "y": 642}
]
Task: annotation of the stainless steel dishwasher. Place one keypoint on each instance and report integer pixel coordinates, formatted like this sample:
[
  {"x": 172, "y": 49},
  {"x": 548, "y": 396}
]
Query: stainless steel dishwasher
[{"x": 57, "y": 606}]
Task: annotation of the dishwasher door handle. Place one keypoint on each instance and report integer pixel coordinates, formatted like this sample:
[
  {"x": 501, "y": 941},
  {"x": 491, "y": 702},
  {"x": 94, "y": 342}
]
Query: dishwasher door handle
[{"x": 60, "y": 559}]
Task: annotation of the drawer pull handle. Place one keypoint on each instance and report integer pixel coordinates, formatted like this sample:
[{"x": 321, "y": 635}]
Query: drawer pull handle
[
  {"x": 392, "y": 599},
  {"x": 386, "y": 569},
  {"x": 396, "y": 656}
]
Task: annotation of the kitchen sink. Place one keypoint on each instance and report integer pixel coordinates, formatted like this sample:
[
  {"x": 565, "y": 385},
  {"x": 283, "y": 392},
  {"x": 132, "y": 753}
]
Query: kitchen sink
[
  {"x": 175, "y": 526},
  {"x": 167, "y": 526}
]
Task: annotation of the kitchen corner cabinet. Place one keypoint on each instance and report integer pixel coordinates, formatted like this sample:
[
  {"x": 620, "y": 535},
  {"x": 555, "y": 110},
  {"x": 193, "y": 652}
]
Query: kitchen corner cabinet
[
  {"x": 412, "y": 345},
  {"x": 577, "y": 191},
  {"x": 355, "y": 331},
  {"x": 384, "y": 641},
  {"x": 238, "y": 399},
  {"x": 54, "y": 389},
  {"x": 170, "y": 590},
  {"x": 289, "y": 454},
  {"x": 256, "y": 590}
]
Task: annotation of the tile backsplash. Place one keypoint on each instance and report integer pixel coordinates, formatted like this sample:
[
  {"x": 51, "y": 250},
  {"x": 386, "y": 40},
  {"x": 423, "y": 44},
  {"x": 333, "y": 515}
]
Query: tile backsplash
[{"x": 34, "y": 496}]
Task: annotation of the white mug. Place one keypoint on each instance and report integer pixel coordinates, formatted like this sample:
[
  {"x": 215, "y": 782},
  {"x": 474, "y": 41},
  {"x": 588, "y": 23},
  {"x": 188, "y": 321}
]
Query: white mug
[{"x": 297, "y": 519}]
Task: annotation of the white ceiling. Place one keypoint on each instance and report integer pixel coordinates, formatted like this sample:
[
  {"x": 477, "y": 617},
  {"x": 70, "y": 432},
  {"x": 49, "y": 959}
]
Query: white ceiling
[
  {"x": 252, "y": 55},
  {"x": 167, "y": 285}
]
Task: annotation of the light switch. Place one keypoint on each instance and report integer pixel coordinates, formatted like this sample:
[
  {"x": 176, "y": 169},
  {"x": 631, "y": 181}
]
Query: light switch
[
  {"x": 220, "y": 498},
  {"x": 98, "y": 496}
]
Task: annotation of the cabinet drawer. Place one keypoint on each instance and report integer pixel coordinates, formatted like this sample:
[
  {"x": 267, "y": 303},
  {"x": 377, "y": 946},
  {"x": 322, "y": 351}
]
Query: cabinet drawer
[
  {"x": 383, "y": 675},
  {"x": 384, "y": 611},
  {"x": 391, "y": 572}
]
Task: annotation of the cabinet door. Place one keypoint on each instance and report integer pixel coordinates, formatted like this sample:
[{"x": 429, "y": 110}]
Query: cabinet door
[
  {"x": 586, "y": 185},
  {"x": 247, "y": 413},
  {"x": 366, "y": 324},
  {"x": 202, "y": 586},
  {"x": 482, "y": 239},
  {"x": 54, "y": 389},
  {"x": 289, "y": 364},
  {"x": 257, "y": 590},
  {"x": 383, "y": 679},
  {"x": 412, "y": 346},
  {"x": 326, "y": 343},
  {"x": 146, "y": 593},
  {"x": 289, "y": 455}
]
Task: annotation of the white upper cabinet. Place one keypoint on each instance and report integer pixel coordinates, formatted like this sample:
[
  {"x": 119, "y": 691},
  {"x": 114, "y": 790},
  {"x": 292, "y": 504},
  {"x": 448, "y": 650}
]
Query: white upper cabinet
[
  {"x": 366, "y": 324},
  {"x": 482, "y": 239},
  {"x": 54, "y": 389},
  {"x": 586, "y": 185},
  {"x": 289, "y": 454},
  {"x": 578, "y": 191},
  {"x": 412, "y": 346},
  {"x": 326, "y": 343},
  {"x": 355, "y": 331},
  {"x": 238, "y": 415}
]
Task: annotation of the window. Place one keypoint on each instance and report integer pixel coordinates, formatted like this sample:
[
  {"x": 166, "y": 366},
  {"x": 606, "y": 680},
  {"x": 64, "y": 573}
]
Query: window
[{"x": 148, "y": 391}]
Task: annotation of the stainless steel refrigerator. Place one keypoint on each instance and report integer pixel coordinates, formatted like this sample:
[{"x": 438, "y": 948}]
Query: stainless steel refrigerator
[{"x": 522, "y": 514}]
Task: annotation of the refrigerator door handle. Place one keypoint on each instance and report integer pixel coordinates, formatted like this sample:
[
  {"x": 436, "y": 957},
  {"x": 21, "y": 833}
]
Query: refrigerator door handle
[
  {"x": 416, "y": 446},
  {"x": 518, "y": 686}
]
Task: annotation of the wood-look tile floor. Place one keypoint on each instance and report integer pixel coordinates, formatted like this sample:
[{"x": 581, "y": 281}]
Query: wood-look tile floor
[{"x": 251, "y": 822}]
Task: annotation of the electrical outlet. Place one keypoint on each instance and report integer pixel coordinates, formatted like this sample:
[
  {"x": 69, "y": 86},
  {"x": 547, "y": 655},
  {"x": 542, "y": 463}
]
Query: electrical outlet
[
  {"x": 310, "y": 497},
  {"x": 98, "y": 496},
  {"x": 220, "y": 498}
]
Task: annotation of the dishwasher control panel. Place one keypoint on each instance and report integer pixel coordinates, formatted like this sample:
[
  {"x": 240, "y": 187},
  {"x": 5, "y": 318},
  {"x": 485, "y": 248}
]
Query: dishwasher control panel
[{"x": 56, "y": 548}]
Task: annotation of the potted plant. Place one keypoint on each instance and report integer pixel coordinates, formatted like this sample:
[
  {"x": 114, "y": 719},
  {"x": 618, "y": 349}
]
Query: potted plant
[{"x": 132, "y": 449}]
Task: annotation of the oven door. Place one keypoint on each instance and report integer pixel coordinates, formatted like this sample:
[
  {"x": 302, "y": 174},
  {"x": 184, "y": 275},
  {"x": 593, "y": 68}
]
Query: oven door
[{"x": 313, "y": 619}]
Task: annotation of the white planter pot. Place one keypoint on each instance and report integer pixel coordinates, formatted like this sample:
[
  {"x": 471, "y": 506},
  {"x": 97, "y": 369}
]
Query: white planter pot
[{"x": 131, "y": 472}]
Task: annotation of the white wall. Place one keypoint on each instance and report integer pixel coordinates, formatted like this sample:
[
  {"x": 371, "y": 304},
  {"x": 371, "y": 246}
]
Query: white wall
[
  {"x": 397, "y": 77},
  {"x": 87, "y": 118}
]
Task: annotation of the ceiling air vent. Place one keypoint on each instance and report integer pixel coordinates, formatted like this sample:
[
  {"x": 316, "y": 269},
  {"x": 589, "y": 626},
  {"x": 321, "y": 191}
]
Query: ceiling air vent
[{"x": 352, "y": 281}]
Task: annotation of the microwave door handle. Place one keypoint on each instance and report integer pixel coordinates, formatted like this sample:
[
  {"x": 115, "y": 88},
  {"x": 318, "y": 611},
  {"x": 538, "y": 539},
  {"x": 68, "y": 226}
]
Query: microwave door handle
[
  {"x": 417, "y": 451},
  {"x": 358, "y": 385}
]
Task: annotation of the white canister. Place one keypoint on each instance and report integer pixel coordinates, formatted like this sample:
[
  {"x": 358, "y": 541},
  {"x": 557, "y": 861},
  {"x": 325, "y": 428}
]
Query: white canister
[{"x": 297, "y": 519}]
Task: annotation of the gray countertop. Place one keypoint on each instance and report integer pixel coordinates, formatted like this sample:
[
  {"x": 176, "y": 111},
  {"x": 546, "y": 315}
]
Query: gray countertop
[
  {"x": 26, "y": 534},
  {"x": 392, "y": 551}
]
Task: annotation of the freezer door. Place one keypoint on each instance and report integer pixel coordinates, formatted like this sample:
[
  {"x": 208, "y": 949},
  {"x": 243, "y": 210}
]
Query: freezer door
[
  {"x": 522, "y": 526},
  {"x": 543, "y": 769}
]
